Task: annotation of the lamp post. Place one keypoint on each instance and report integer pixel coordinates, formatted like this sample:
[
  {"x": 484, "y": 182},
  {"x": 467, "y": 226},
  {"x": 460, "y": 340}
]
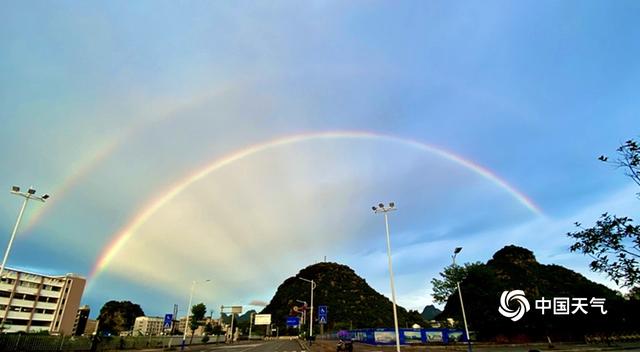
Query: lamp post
[
  {"x": 464, "y": 317},
  {"x": 381, "y": 208},
  {"x": 313, "y": 287},
  {"x": 186, "y": 325},
  {"x": 30, "y": 194},
  {"x": 251, "y": 324}
]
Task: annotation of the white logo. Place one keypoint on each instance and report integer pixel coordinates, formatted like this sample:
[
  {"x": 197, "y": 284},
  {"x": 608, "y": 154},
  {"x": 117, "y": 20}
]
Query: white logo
[{"x": 515, "y": 295}]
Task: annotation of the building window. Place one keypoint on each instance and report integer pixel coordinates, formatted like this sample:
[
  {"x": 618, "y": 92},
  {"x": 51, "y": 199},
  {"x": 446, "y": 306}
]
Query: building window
[
  {"x": 40, "y": 323},
  {"x": 5, "y": 294}
]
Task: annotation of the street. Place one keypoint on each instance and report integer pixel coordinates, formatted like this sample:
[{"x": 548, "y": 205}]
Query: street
[{"x": 261, "y": 346}]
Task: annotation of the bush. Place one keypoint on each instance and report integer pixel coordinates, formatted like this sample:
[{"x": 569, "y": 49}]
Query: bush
[{"x": 205, "y": 338}]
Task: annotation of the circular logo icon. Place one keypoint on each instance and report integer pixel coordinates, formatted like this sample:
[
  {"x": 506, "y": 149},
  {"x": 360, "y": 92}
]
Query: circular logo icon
[{"x": 518, "y": 297}]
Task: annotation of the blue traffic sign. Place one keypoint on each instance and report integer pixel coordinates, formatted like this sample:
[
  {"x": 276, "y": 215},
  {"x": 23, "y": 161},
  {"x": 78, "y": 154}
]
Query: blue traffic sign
[
  {"x": 322, "y": 314},
  {"x": 168, "y": 319},
  {"x": 293, "y": 321}
]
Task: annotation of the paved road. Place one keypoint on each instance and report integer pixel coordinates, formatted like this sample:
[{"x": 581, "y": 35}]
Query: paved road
[{"x": 261, "y": 346}]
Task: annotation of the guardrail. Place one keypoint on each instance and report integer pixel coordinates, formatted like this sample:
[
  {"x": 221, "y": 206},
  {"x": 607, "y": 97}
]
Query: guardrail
[{"x": 35, "y": 343}]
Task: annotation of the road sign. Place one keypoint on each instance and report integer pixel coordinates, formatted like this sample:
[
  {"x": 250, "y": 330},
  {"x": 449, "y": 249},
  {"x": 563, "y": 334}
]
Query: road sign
[
  {"x": 262, "y": 319},
  {"x": 168, "y": 319},
  {"x": 293, "y": 321},
  {"x": 322, "y": 314}
]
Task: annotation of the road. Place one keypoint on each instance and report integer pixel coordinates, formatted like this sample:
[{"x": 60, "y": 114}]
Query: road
[{"x": 259, "y": 346}]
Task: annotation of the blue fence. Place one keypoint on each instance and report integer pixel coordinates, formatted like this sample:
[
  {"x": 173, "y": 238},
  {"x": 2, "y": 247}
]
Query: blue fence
[{"x": 386, "y": 336}]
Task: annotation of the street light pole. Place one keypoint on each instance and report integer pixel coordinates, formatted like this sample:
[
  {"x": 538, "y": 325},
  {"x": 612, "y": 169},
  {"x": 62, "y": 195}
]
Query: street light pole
[
  {"x": 313, "y": 287},
  {"x": 381, "y": 208},
  {"x": 186, "y": 325},
  {"x": 30, "y": 194},
  {"x": 250, "y": 324},
  {"x": 464, "y": 316}
]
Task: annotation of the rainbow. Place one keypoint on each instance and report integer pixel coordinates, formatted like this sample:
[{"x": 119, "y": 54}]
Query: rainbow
[
  {"x": 121, "y": 238},
  {"x": 84, "y": 167}
]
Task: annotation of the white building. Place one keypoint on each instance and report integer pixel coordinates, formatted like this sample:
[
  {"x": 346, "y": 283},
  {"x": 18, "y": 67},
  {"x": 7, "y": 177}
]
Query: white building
[
  {"x": 149, "y": 326},
  {"x": 32, "y": 302}
]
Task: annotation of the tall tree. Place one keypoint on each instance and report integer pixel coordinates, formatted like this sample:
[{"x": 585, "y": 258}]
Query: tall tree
[
  {"x": 118, "y": 316},
  {"x": 197, "y": 316},
  {"x": 614, "y": 242},
  {"x": 450, "y": 276}
]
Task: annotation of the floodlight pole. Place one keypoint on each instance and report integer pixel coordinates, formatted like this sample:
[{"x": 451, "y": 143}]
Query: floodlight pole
[
  {"x": 464, "y": 316},
  {"x": 186, "y": 325},
  {"x": 385, "y": 209},
  {"x": 30, "y": 194}
]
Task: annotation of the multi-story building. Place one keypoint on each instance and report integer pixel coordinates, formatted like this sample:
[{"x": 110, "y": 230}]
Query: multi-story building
[
  {"x": 90, "y": 328},
  {"x": 149, "y": 326},
  {"x": 32, "y": 302},
  {"x": 81, "y": 320},
  {"x": 182, "y": 323}
]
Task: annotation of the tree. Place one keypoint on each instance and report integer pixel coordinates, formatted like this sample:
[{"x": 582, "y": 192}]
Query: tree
[
  {"x": 197, "y": 315},
  {"x": 614, "y": 242},
  {"x": 208, "y": 329},
  {"x": 118, "y": 316},
  {"x": 452, "y": 274},
  {"x": 217, "y": 330}
]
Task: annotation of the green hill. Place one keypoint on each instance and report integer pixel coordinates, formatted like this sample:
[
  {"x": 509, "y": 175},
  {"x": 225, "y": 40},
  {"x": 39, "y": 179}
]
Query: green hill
[
  {"x": 351, "y": 301},
  {"x": 516, "y": 268},
  {"x": 430, "y": 312}
]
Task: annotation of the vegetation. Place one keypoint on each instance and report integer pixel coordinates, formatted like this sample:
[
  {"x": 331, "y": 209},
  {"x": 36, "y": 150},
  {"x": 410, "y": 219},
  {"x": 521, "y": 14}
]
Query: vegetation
[
  {"x": 197, "y": 316},
  {"x": 351, "y": 302},
  {"x": 118, "y": 316},
  {"x": 447, "y": 285},
  {"x": 614, "y": 242},
  {"x": 430, "y": 312},
  {"x": 513, "y": 268}
]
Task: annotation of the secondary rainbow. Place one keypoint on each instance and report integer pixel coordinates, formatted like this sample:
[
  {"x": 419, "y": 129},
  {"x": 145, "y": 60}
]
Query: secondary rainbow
[{"x": 121, "y": 238}]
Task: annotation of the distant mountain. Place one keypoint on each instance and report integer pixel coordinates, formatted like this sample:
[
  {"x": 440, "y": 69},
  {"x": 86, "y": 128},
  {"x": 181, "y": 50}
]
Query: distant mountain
[
  {"x": 516, "y": 268},
  {"x": 430, "y": 312},
  {"x": 350, "y": 300},
  {"x": 239, "y": 318}
]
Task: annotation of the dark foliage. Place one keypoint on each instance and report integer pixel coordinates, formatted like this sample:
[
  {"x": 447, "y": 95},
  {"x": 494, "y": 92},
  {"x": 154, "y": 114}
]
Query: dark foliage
[
  {"x": 513, "y": 268},
  {"x": 118, "y": 316},
  {"x": 351, "y": 301},
  {"x": 614, "y": 242}
]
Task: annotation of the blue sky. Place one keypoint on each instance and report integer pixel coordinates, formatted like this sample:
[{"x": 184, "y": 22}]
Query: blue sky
[{"x": 106, "y": 105}]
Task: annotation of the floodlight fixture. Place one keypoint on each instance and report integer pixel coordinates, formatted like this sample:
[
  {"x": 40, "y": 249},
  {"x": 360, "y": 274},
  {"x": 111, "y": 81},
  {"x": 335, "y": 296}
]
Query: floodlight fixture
[
  {"x": 374, "y": 208},
  {"x": 380, "y": 205},
  {"x": 45, "y": 196},
  {"x": 392, "y": 204},
  {"x": 27, "y": 196},
  {"x": 457, "y": 250}
]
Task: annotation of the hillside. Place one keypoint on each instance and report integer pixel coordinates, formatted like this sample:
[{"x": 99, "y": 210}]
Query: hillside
[
  {"x": 351, "y": 301},
  {"x": 430, "y": 312},
  {"x": 513, "y": 268}
]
